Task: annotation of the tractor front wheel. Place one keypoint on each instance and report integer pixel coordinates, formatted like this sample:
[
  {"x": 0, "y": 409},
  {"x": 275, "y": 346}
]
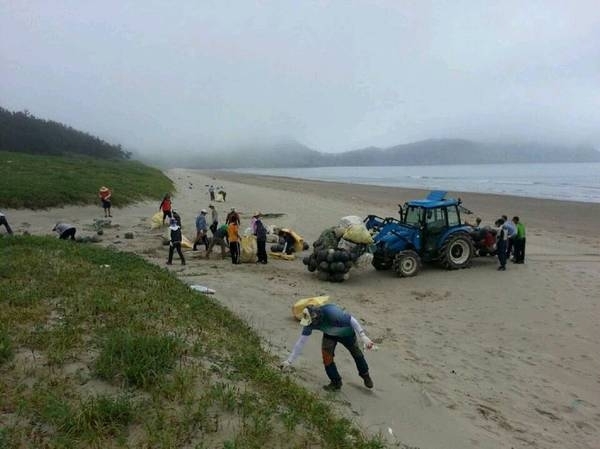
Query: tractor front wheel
[
  {"x": 407, "y": 263},
  {"x": 457, "y": 251},
  {"x": 380, "y": 263}
]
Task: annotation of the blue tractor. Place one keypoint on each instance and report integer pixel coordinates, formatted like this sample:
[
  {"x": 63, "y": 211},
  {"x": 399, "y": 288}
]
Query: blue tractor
[{"x": 429, "y": 230}]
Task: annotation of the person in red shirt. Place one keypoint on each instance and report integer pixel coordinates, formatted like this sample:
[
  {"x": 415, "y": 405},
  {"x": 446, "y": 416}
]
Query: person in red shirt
[
  {"x": 105, "y": 195},
  {"x": 166, "y": 206}
]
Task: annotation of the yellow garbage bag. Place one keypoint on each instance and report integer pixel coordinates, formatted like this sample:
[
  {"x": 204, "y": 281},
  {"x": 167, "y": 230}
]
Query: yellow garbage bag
[
  {"x": 358, "y": 234},
  {"x": 302, "y": 303},
  {"x": 248, "y": 249},
  {"x": 299, "y": 245},
  {"x": 185, "y": 242},
  {"x": 283, "y": 256},
  {"x": 298, "y": 241},
  {"x": 157, "y": 220}
]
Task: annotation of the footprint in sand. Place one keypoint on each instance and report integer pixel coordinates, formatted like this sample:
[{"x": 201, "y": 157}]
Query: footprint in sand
[{"x": 430, "y": 295}]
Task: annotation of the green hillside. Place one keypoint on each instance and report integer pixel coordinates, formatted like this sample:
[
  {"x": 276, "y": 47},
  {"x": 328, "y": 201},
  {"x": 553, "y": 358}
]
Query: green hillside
[{"x": 37, "y": 181}]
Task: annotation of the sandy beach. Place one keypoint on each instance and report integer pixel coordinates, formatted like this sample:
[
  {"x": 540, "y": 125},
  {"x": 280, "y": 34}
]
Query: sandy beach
[{"x": 471, "y": 358}]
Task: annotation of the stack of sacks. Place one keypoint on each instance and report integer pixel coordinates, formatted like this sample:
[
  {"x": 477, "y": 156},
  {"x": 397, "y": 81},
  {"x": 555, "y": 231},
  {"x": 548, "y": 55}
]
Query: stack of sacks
[{"x": 338, "y": 249}]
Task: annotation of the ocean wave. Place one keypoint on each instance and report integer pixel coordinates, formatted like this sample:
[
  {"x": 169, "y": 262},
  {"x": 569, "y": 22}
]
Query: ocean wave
[{"x": 516, "y": 182}]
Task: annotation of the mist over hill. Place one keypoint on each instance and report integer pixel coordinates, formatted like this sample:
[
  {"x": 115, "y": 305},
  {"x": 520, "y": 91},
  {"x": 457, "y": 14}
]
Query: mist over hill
[
  {"x": 23, "y": 132},
  {"x": 427, "y": 152}
]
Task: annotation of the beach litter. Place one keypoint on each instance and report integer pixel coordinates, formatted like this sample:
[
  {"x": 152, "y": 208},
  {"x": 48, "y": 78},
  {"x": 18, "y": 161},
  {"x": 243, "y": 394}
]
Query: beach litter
[
  {"x": 203, "y": 289},
  {"x": 338, "y": 249}
]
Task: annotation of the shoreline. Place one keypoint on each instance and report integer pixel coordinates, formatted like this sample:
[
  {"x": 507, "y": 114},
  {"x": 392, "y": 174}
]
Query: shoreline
[{"x": 566, "y": 217}]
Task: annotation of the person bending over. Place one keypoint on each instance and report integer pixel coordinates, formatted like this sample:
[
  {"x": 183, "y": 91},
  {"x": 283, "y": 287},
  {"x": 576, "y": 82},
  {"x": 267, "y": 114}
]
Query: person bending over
[
  {"x": 338, "y": 326},
  {"x": 65, "y": 231}
]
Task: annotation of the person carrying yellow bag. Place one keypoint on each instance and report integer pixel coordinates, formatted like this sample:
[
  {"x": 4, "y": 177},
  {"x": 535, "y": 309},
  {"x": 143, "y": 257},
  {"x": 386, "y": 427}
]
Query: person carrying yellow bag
[{"x": 338, "y": 326}]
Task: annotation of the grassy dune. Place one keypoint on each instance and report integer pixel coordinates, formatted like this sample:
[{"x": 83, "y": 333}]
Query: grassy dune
[
  {"x": 102, "y": 349},
  {"x": 36, "y": 182}
]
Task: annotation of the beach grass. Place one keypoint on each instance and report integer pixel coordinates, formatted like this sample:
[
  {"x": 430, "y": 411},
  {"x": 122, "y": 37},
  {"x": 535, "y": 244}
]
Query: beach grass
[
  {"x": 38, "y": 182},
  {"x": 102, "y": 349}
]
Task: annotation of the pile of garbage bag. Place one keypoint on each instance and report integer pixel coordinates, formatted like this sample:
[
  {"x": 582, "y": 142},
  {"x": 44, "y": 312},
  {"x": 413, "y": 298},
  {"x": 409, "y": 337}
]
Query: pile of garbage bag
[{"x": 338, "y": 249}]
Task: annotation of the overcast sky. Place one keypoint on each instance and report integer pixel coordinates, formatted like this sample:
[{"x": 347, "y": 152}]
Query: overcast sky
[{"x": 334, "y": 75}]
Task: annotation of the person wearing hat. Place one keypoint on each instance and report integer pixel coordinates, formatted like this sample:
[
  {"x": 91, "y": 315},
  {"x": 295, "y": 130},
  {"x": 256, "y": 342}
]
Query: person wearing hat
[
  {"x": 260, "y": 231},
  {"x": 338, "y": 326},
  {"x": 65, "y": 231},
  {"x": 105, "y": 197},
  {"x": 201, "y": 230},
  {"x": 175, "y": 242},
  {"x": 287, "y": 241}
]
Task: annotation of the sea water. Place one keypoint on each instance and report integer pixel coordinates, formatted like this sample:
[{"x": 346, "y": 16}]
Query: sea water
[{"x": 560, "y": 181}]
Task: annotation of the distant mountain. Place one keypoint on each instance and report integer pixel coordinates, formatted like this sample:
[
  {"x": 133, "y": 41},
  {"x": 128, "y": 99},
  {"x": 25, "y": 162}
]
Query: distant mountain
[
  {"x": 458, "y": 151},
  {"x": 426, "y": 152},
  {"x": 21, "y": 132},
  {"x": 279, "y": 155}
]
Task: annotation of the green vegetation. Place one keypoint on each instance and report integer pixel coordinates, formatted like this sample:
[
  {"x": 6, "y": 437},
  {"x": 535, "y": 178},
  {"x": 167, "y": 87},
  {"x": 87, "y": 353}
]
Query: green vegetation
[
  {"x": 6, "y": 350},
  {"x": 22, "y": 132},
  {"x": 138, "y": 360},
  {"x": 37, "y": 182},
  {"x": 128, "y": 356}
]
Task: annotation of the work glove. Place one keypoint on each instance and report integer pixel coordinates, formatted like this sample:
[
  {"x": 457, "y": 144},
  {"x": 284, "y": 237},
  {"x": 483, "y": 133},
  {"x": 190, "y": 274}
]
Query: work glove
[
  {"x": 367, "y": 342},
  {"x": 285, "y": 366}
]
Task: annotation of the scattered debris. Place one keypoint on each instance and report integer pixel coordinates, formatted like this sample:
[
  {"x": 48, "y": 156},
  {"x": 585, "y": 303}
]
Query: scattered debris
[{"x": 203, "y": 289}]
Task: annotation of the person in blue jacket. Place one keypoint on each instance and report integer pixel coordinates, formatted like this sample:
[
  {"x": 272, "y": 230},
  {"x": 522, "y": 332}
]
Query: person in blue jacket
[
  {"x": 201, "y": 230},
  {"x": 338, "y": 326}
]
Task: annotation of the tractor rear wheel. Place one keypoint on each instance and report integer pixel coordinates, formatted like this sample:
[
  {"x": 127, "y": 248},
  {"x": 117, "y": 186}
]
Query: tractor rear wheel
[
  {"x": 407, "y": 263},
  {"x": 457, "y": 251}
]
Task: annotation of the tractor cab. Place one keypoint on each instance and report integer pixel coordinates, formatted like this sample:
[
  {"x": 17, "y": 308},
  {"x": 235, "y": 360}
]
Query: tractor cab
[
  {"x": 434, "y": 217},
  {"x": 430, "y": 229}
]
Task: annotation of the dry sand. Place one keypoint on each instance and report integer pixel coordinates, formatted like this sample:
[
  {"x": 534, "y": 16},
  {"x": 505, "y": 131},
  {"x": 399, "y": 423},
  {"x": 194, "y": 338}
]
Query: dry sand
[{"x": 466, "y": 359}]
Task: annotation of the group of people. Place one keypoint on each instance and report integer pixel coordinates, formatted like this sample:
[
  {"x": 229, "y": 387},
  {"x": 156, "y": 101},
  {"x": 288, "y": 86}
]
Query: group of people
[
  {"x": 225, "y": 236},
  {"x": 510, "y": 239},
  {"x": 220, "y": 190},
  {"x": 67, "y": 231}
]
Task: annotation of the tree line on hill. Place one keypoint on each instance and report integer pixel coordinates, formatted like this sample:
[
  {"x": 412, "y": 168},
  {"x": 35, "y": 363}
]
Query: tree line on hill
[{"x": 24, "y": 133}]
